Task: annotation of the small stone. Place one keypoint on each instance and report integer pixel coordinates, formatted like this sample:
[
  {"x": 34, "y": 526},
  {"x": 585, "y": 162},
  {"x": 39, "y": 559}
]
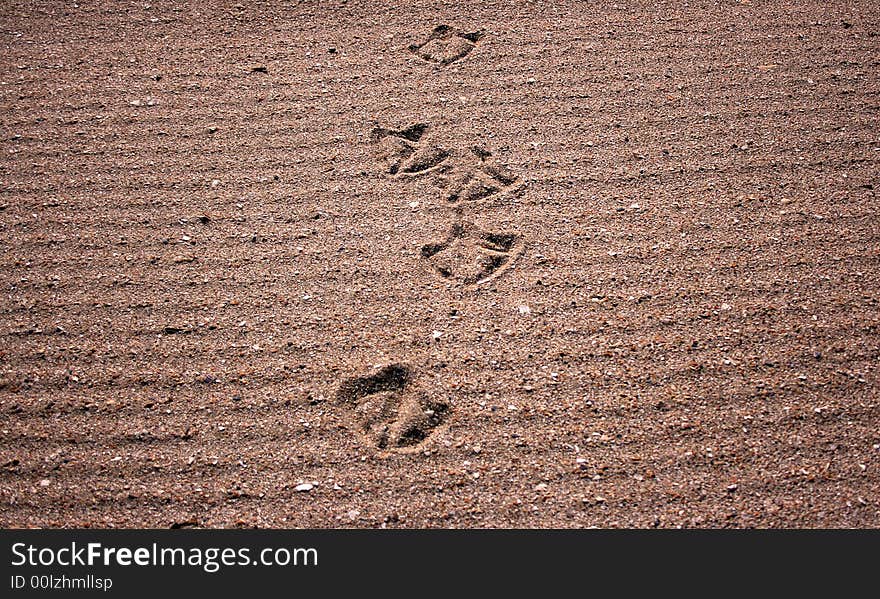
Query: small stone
[
  {"x": 44, "y": 482},
  {"x": 525, "y": 310},
  {"x": 541, "y": 487},
  {"x": 259, "y": 69},
  {"x": 304, "y": 488},
  {"x": 731, "y": 488},
  {"x": 436, "y": 335}
]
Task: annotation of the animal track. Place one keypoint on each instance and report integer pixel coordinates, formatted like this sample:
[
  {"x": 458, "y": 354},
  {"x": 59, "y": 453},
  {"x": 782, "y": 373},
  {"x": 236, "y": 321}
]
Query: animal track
[
  {"x": 388, "y": 412},
  {"x": 472, "y": 256},
  {"x": 446, "y": 44},
  {"x": 465, "y": 176},
  {"x": 402, "y": 154},
  {"x": 476, "y": 178}
]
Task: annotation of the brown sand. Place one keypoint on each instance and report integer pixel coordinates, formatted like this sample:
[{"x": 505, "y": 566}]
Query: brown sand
[{"x": 557, "y": 264}]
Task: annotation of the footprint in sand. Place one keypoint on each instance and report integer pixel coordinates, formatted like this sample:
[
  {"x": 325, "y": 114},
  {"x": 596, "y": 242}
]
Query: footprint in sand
[
  {"x": 446, "y": 44},
  {"x": 474, "y": 176},
  {"x": 404, "y": 153},
  {"x": 471, "y": 256},
  {"x": 467, "y": 176},
  {"x": 389, "y": 412}
]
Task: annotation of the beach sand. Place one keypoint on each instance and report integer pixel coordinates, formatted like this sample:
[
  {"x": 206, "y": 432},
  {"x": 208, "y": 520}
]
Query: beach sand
[{"x": 439, "y": 264}]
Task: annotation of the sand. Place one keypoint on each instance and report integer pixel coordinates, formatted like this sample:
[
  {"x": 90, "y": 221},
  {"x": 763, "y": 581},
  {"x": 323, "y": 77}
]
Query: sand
[{"x": 442, "y": 264}]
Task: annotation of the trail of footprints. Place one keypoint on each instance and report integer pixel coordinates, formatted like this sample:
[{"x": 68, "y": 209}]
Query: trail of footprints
[{"x": 388, "y": 409}]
